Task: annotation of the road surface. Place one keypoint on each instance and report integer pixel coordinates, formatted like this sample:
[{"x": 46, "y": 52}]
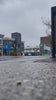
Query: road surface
[{"x": 27, "y": 78}]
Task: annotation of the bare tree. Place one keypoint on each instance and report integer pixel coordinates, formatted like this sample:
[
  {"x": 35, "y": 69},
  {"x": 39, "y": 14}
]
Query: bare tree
[{"x": 47, "y": 23}]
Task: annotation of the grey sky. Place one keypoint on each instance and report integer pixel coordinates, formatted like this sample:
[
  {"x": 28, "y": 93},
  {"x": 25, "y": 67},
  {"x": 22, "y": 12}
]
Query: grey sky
[{"x": 24, "y": 16}]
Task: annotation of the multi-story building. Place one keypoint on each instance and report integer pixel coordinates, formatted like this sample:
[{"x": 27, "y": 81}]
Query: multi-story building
[
  {"x": 22, "y": 46},
  {"x": 17, "y": 37},
  {"x": 10, "y": 46},
  {"x": 45, "y": 40}
]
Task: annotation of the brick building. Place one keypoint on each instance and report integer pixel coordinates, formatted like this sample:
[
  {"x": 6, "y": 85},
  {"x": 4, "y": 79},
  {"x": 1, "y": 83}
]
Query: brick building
[
  {"x": 45, "y": 45},
  {"x": 45, "y": 40}
]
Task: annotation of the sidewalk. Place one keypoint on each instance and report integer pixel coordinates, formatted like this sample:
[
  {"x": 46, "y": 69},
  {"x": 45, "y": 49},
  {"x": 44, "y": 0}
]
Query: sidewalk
[{"x": 3, "y": 58}]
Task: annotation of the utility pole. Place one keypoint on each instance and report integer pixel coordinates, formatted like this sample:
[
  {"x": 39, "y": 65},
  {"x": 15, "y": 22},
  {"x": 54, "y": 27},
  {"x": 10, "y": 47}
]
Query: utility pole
[
  {"x": 53, "y": 28},
  {"x": 2, "y": 45}
]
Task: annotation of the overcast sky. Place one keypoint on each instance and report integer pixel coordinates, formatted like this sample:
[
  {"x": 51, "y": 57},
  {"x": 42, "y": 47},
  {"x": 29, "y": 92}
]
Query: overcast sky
[{"x": 24, "y": 16}]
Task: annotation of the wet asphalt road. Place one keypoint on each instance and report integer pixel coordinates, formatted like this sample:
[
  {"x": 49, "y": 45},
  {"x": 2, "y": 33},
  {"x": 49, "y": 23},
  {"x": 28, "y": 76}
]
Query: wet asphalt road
[{"x": 27, "y": 78}]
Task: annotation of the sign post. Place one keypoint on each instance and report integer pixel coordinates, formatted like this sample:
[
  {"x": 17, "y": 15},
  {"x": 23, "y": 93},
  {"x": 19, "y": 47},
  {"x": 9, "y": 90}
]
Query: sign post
[{"x": 42, "y": 49}]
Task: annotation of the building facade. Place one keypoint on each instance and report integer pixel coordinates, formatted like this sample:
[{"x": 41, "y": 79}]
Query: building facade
[
  {"x": 32, "y": 51},
  {"x": 11, "y": 46},
  {"x": 1, "y": 44},
  {"x": 17, "y": 37},
  {"x": 45, "y": 40},
  {"x": 22, "y": 46},
  {"x": 45, "y": 45},
  {"x": 8, "y": 46}
]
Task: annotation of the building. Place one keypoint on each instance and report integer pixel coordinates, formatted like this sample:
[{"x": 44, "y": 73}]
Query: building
[
  {"x": 22, "y": 46},
  {"x": 44, "y": 40},
  {"x": 11, "y": 46},
  {"x": 45, "y": 45},
  {"x": 1, "y": 44},
  {"x": 32, "y": 51},
  {"x": 17, "y": 37},
  {"x": 8, "y": 46}
]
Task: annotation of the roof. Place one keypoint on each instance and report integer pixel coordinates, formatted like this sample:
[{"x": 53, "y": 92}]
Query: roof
[
  {"x": 1, "y": 35},
  {"x": 6, "y": 38}
]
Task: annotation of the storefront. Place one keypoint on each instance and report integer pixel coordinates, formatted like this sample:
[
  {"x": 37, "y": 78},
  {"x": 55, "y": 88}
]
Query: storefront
[{"x": 7, "y": 49}]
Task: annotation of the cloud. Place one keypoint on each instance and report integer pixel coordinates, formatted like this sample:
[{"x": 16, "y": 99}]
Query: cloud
[
  {"x": 2, "y": 1},
  {"x": 24, "y": 16}
]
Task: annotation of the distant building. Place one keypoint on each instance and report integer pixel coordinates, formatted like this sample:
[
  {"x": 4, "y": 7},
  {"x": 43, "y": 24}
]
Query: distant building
[
  {"x": 33, "y": 51},
  {"x": 1, "y": 36},
  {"x": 8, "y": 46},
  {"x": 44, "y": 40},
  {"x": 22, "y": 46},
  {"x": 17, "y": 37},
  {"x": 1, "y": 44},
  {"x": 45, "y": 45}
]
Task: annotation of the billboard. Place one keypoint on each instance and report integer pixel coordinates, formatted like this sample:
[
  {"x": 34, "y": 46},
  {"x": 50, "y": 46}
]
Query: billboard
[{"x": 7, "y": 46}]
